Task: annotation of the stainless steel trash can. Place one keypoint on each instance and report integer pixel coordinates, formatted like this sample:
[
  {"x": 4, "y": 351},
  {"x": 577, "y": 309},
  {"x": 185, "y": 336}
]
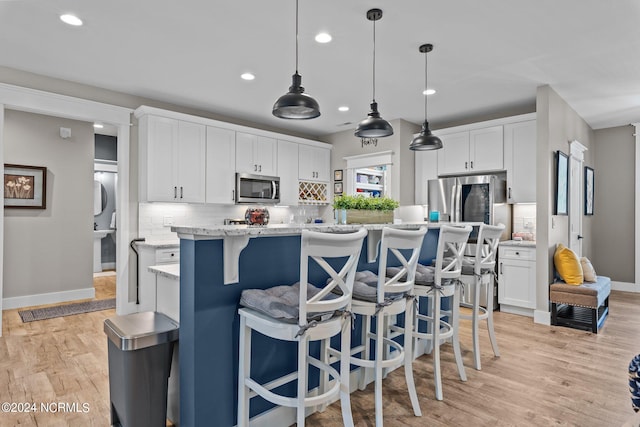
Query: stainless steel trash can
[{"x": 140, "y": 353}]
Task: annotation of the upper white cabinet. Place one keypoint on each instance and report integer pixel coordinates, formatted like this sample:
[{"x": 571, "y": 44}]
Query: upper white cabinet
[
  {"x": 314, "y": 163},
  {"x": 172, "y": 160},
  {"x": 520, "y": 161},
  {"x": 256, "y": 154},
  {"x": 469, "y": 152},
  {"x": 426, "y": 167},
  {"x": 288, "y": 172},
  {"x": 220, "y": 166}
]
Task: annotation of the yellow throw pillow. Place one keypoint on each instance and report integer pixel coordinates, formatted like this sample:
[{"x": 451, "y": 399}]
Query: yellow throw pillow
[
  {"x": 568, "y": 265},
  {"x": 589, "y": 273}
]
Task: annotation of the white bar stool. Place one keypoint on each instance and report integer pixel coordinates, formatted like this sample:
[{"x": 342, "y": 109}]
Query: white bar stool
[
  {"x": 446, "y": 274},
  {"x": 390, "y": 298},
  {"x": 483, "y": 275},
  {"x": 303, "y": 313}
]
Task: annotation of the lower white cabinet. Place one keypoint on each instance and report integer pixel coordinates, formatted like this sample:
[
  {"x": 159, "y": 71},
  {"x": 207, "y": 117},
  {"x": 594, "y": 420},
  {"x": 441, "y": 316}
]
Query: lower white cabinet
[
  {"x": 517, "y": 279},
  {"x": 149, "y": 255}
]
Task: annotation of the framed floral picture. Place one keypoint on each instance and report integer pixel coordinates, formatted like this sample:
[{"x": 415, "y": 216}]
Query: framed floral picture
[
  {"x": 588, "y": 190},
  {"x": 337, "y": 175},
  {"x": 25, "y": 187}
]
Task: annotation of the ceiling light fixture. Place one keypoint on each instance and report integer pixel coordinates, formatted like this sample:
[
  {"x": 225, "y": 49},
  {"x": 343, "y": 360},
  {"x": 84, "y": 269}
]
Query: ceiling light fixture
[
  {"x": 247, "y": 76},
  {"x": 296, "y": 104},
  {"x": 374, "y": 126},
  {"x": 428, "y": 91},
  {"x": 323, "y": 37},
  {"x": 425, "y": 140},
  {"x": 71, "y": 20},
  {"x": 343, "y": 108},
  {"x": 98, "y": 125}
]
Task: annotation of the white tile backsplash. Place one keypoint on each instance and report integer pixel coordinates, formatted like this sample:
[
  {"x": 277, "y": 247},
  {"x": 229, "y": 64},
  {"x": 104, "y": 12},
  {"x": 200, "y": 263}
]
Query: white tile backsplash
[
  {"x": 524, "y": 219},
  {"x": 151, "y": 216}
]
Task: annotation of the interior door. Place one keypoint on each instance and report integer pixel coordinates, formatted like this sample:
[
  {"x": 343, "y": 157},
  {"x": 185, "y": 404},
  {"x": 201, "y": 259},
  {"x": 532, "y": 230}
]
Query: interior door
[{"x": 575, "y": 204}]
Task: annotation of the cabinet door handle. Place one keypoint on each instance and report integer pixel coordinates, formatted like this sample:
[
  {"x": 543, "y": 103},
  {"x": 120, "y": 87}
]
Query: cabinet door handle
[
  {"x": 472, "y": 164},
  {"x": 175, "y": 192},
  {"x": 518, "y": 253},
  {"x": 259, "y": 168},
  {"x": 233, "y": 195},
  {"x": 500, "y": 268},
  {"x": 255, "y": 168},
  {"x": 509, "y": 192},
  {"x": 181, "y": 192},
  {"x": 465, "y": 165}
]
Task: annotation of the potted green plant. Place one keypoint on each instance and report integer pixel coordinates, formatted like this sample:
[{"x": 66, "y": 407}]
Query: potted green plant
[{"x": 364, "y": 210}]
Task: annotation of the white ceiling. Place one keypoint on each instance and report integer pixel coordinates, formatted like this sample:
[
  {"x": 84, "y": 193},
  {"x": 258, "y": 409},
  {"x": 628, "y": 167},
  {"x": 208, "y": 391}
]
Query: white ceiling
[{"x": 489, "y": 55}]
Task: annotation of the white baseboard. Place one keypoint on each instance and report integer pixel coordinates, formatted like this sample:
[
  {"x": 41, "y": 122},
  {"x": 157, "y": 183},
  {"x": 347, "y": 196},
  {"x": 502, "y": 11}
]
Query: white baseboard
[
  {"x": 512, "y": 309},
  {"x": 542, "y": 317},
  {"x": 48, "y": 298},
  {"x": 625, "y": 286}
]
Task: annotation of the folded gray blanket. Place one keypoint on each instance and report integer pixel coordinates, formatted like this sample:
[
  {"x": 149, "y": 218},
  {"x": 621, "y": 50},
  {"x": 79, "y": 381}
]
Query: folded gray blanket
[{"x": 282, "y": 302}]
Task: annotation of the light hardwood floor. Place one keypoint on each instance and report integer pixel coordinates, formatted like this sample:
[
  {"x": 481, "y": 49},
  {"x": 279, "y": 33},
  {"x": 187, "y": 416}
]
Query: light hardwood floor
[{"x": 546, "y": 375}]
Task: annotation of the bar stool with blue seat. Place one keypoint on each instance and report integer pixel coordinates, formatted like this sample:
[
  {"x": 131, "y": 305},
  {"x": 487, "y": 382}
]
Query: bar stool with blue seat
[
  {"x": 302, "y": 313},
  {"x": 478, "y": 273},
  {"x": 380, "y": 296},
  {"x": 435, "y": 283}
]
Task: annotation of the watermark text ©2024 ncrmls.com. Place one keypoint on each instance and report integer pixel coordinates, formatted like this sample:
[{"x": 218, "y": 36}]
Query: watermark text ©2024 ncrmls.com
[{"x": 46, "y": 407}]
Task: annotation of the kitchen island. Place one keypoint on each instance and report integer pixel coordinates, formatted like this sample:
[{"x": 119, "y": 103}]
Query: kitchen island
[{"x": 216, "y": 264}]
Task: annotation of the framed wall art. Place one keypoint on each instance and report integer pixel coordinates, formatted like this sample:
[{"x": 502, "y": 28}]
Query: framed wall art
[
  {"x": 337, "y": 187},
  {"x": 562, "y": 183},
  {"x": 337, "y": 175},
  {"x": 588, "y": 190},
  {"x": 25, "y": 186}
]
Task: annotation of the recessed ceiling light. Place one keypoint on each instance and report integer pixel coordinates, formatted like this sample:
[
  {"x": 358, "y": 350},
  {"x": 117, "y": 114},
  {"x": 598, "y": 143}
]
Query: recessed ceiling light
[
  {"x": 343, "y": 108},
  {"x": 98, "y": 125},
  {"x": 323, "y": 37},
  {"x": 71, "y": 20},
  {"x": 247, "y": 76},
  {"x": 429, "y": 92}
]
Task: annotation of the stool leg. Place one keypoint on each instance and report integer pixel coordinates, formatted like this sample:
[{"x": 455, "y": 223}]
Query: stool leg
[
  {"x": 364, "y": 372},
  {"x": 244, "y": 372},
  {"x": 324, "y": 375},
  {"x": 492, "y": 333},
  {"x": 408, "y": 358},
  {"x": 477, "y": 285},
  {"x": 455, "y": 340},
  {"x": 345, "y": 391},
  {"x": 435, "y": 339},
  {"x": 378, "y": 366},
  {"x": 302, "y": 380}
]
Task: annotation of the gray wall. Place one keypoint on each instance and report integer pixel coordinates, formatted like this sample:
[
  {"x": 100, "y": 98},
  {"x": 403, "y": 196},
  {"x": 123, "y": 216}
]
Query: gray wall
[
  {"x": 403, "y": 170},
  {"x": 614, "y": 210},
  {"x": 557, "y": 124},
  {"x": 50, "y": 250}
]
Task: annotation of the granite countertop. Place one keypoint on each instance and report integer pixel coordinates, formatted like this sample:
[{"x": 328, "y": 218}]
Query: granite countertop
[
  {"x": 170, "y": 271},
  {"x": 159, "y": 243},
  {"x": 525, "y": 243},
  {"x": 218, "y": 231}
]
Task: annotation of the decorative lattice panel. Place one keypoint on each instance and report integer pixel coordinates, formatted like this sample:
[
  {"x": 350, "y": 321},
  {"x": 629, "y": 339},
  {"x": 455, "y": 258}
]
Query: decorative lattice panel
[{"x": 312, "y": 193}]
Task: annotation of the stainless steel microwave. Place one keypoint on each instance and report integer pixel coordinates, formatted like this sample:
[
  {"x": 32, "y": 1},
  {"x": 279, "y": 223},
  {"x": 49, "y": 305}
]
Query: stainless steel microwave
[{"x": 257, "y": 188}]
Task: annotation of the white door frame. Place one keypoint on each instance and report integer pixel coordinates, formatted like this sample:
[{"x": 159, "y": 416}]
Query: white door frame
[
  {"x": 637, "y": 203},
  {"x": 576, "y": 161},
  {"x": 52, "y": 104}
]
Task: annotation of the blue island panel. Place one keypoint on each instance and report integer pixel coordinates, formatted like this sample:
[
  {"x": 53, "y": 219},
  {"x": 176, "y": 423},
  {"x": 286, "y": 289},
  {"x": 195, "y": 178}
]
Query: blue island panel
[{"x": 209, "y": 323}]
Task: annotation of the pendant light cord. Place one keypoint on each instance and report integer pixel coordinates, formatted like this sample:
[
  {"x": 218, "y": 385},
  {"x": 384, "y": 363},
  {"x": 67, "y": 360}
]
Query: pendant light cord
[
  {"x": 425, "y": 85},
  {"x": 374, "y": 61},
  {"x": 296, "y": 36}
]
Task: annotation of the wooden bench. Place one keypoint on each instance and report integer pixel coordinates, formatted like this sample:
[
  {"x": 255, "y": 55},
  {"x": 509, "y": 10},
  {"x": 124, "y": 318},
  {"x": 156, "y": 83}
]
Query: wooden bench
[{"x": 582, "y": 307}]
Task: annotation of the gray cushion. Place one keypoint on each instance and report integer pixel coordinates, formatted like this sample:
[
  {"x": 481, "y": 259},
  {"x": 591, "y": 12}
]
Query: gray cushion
[
  {"x": 365, "y": 287},
  {"x": 282, "y": 302},
  {"x": 425, "y": 275}
]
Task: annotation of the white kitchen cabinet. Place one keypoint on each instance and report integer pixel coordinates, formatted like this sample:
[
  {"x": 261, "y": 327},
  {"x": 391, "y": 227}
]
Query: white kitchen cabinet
[
  {"x": 426, "y": 167},
  {"x": 470, "y": 152},
  {"x": 314, "y": 163},
  {"x": 149, "y": 255},
  {"x": 256, "y": 154},
  {"x": 517, "y": 279},
  {"x": 172, "y": 160},
  {"x": 520, "y": 161},
  {"x": 371, "y": 181},
  {"x": 220, "y": 166},
  {"x": 288, "y": 172}
]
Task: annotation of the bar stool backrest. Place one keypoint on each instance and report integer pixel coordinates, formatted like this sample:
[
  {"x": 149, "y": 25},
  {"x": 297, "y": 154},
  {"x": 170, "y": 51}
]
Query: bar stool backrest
[
  {"x": 322, "y": 246},
  {"x": 487, "y": 247},
  {"x": 454, "y": 240},
  {"x": 395, "y": 240}
]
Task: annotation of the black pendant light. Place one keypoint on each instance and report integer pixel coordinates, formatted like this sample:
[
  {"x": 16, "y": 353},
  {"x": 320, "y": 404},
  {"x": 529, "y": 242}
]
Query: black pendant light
[
  {"x": 296, "y": 104},
  {"x": 425, "y": 140},
  {"x": 374, "y": 126}
]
